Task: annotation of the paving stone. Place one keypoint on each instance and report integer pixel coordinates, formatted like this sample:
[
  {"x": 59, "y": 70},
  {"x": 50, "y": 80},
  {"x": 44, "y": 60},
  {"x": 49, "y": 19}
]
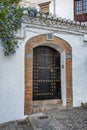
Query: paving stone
[
  {"x": 67, "y": 119},
  {"x": 16, "y": 126}
]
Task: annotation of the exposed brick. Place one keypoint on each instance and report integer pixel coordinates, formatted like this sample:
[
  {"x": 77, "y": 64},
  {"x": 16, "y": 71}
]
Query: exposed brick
[{"x": 36, "y": 41}]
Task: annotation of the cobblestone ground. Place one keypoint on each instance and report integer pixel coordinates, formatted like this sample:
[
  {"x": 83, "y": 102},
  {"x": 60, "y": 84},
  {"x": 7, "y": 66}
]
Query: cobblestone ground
[
  {"x": 16, "y": 125},
  {"x": 68, "y": 119}
]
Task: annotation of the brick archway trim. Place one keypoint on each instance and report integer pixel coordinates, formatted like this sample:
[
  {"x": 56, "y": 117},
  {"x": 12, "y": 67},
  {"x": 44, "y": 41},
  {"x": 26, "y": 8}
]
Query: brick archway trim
[{"x": 36, "y": 41}]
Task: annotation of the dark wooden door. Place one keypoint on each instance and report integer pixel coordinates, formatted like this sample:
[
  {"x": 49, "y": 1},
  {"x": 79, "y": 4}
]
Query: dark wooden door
[{"x": 46, "y": 73}]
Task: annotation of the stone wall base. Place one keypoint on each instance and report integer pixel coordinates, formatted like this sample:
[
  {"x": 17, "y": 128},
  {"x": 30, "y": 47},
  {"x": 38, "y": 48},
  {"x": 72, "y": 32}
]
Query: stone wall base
[{"x": 44, "y": 105}]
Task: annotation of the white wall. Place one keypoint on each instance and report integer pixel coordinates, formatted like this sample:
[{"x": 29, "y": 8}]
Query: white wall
[
  {"x": 12, "y": 75},
  {"x": 63, "y": 8},
  {"x": 12, "y": 86},
  {"x": 79, "y": 67}
]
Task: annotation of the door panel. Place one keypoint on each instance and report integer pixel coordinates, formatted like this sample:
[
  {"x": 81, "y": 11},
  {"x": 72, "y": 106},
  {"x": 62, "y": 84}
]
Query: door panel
[{"x": 46, "y": 73}]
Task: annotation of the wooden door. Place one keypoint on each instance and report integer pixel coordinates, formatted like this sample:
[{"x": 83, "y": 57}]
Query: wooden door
[{"x": 46, "y": 73}]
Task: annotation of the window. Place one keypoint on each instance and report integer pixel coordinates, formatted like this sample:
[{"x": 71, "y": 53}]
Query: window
[
  {"x": 44, "y": 7},
  {"x": 79, "y": 7},
  {"x": 80, "y": 10},
  {"x": 85, "y": 6}
]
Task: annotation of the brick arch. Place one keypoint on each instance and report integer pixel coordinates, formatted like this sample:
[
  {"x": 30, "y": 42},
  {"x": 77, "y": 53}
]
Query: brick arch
[{"x": 32, "y": 43}]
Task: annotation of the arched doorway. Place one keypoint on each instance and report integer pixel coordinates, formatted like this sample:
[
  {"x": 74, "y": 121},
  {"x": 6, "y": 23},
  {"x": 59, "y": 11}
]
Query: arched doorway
[
  {"x": 46, "y": 73},
  {"x": 64, "y": 51}
]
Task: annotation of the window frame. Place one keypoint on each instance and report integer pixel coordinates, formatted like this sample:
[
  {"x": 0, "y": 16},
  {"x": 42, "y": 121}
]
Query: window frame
[
  {"x": 78, "y": 7},
  {"x": 45, "y": 7},
  {"x": 80, "y": 11},
  {"x": 85, "y": 6}
]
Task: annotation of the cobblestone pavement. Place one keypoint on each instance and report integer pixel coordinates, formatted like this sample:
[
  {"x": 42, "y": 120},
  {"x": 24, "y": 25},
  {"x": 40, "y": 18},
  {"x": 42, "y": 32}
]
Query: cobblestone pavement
[
  {"x": 67, "y": 119},
  {"x": 16, "y": 125}
]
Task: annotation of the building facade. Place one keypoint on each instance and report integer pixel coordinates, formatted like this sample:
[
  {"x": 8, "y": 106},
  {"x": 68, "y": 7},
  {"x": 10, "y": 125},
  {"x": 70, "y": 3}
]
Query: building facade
[{"x": 49, "y": 67}]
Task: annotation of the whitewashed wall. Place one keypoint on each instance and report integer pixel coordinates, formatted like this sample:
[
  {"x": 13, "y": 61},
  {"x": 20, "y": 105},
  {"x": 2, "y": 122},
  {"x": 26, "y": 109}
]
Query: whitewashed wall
[
  {"x": 79, "y": 67},
  {"x": 12, "y": 82},
  {"x": 12, "y": 86},
  {"x": 63, "y": 8},
  {"x": 12, "y": 75}
]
